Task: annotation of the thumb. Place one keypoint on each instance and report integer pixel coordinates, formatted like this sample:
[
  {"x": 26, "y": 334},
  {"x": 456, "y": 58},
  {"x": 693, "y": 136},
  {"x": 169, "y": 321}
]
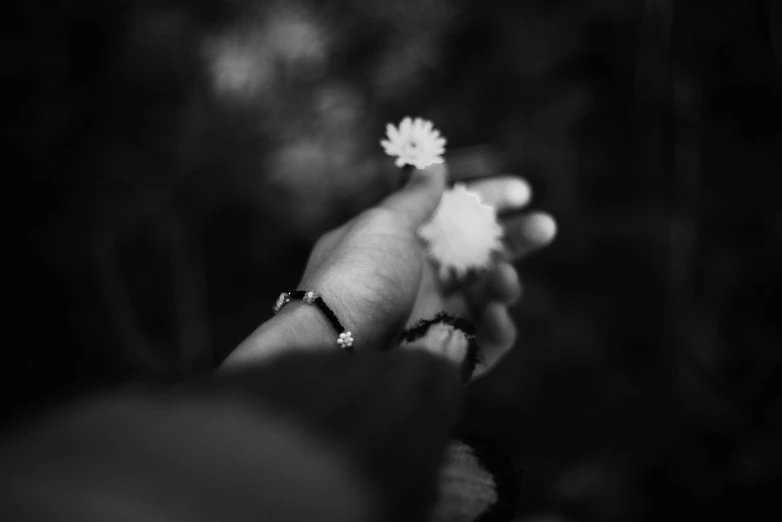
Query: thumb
[{"x": 417, "y": 200}]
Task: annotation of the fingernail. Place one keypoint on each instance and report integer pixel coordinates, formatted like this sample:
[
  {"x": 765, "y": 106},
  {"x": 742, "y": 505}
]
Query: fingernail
[
  {"x": 416, "y": 176},
  {"x": 405, "y": 176},
  {"x": 429, "y": 174},
  {"x": 419, "y": 177},
  {"x": 435, "y": 169},
  {"x": 411, "y": 176}
]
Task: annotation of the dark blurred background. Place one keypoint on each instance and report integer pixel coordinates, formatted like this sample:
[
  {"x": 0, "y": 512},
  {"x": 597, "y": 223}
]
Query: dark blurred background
[{"x": 169, "y": 164}]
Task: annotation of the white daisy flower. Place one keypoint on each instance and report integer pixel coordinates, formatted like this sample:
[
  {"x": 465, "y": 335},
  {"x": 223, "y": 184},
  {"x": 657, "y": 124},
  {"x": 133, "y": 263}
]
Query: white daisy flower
[
  {"x": 463, "y": 234},
  {"x": 415, "y": 142}
]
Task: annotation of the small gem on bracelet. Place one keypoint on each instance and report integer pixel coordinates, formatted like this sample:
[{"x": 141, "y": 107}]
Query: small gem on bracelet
[
  {"x": 281, "y": 301},
  {"x": 310, "y": 297},
  {"x": 345, "y": 340}
]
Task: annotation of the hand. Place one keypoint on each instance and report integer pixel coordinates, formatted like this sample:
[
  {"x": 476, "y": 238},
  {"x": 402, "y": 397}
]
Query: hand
[
  {"x": 486, "y": 301},
  {"x": 374, "y": 269},
  {"x": 373, "y": 272}
]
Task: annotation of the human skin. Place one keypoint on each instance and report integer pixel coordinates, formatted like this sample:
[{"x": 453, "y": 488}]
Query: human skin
[{"x": 373, "y": 273}]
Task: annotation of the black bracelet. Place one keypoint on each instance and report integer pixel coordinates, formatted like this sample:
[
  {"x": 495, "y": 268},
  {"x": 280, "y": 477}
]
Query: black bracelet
[
  {"x": 471, "y": 359},
  {"x": 344, "y": 339}
]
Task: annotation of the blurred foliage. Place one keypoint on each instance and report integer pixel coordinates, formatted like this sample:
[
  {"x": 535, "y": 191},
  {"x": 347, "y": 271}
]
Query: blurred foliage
[{"x": 169, "y": 164}]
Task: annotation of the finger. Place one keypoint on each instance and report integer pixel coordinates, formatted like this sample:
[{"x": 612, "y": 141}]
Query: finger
[
  {"x": 503, "y": 193},
  {"x": 501, "y": 285},
  {"x": 427, "y": 302},
  {"x": 496, "y": 335},
  {"x": 419, "y": 198},
  {"x": 443, "y": 340},
  {"x": 470, "y": 163},
  {"x": 526, "y": 234}
]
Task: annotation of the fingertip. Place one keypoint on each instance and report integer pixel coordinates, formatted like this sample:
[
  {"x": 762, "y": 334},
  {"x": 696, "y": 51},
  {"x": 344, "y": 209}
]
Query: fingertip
[
  {"x": 496, "y": 337},
  {"x": 420, "y": 197},
  {"x": 497, "y": 333},
  {"x": 518, "y": 193},
  {"x": 528, "y": 233},
  {"x": 540, "y": 228},
  {"x": 507, "y": 283},
  {"x": 504, "y": 193}
]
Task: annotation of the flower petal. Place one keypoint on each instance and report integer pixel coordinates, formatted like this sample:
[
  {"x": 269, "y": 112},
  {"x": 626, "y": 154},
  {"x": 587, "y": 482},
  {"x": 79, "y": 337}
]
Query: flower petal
[{"x": 392, "y": 132}]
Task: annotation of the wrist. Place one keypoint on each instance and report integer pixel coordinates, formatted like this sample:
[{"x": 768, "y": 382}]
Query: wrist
[
  {"x": 297, "y": 326},
  {"x": 360, "y": 310}
]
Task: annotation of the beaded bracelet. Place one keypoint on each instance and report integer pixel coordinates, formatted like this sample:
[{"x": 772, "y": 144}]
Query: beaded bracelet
[
  {"x": 420, "y": 329},
  {"x": 345, "y": 338}
]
